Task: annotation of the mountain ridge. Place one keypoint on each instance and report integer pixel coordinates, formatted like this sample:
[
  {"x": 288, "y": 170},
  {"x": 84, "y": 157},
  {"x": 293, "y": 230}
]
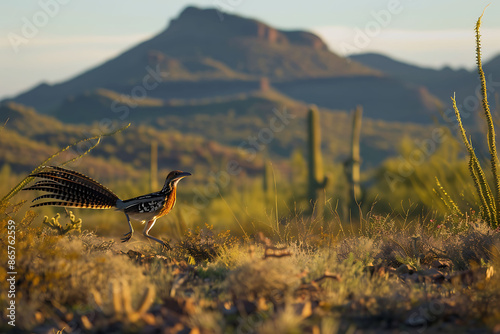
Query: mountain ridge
[
  {"x": 198, "y": 57},
  {"x": 239, "y": 49},
  {"x": 444, "y": 82}
]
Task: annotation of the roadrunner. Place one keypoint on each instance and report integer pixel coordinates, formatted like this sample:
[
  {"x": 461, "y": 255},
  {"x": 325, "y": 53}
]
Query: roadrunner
[{"x": 72, "y": 189}]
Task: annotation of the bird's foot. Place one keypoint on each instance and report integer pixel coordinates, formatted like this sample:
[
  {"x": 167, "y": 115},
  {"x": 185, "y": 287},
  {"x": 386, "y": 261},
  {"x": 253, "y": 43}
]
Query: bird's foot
[
  {"x": 127, "y": 236},
  {"x": 165, "y": 246}
]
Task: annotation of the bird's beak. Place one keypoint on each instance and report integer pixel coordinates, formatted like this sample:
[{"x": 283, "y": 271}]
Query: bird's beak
[{"x": 183, "y": 174}]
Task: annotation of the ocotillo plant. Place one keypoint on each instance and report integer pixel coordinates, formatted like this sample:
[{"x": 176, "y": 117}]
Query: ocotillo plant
[
  {"x": 317, "y": 180},
  {"x": 489, "y": 200},
  {"x": 353, "y": 164}
]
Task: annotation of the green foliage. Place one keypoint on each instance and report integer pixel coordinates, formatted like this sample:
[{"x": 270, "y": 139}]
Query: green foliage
[
  {"x": 72, "y": 225},
  {"x": 402, "y": 184},
  {"x": 447, "y": 200},
  {"x": 491, "y": 128},
  {"x": 267, "y": 180}
]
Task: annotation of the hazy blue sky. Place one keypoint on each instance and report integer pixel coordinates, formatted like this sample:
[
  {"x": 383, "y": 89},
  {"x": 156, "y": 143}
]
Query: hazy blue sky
[{"x": 80, "y": 34}]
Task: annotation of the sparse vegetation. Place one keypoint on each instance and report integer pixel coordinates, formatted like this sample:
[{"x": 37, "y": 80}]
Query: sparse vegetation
[
  {"x": 489, "y": 200},
  {"x": 384, "y": 276},
  {"x": 73, "y": 224}
]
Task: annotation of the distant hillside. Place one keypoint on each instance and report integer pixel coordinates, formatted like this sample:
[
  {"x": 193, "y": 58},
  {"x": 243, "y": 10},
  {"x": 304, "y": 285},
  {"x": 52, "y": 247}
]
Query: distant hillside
[
  {"x": 443, "y": 83},
  {"x": 93, "y": 106},
  {"x": 29, "y": 138},
  {"x": 493, "y": 66},
  {"x": 232, "y": 120},
  {"x": 384, "y": 98}
]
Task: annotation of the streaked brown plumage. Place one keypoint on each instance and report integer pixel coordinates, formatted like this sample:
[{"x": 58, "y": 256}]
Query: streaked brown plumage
[{"x": 72, "y": 189}]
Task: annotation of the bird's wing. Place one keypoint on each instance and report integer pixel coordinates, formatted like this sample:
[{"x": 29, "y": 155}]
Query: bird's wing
[{"x": 142, "y": 204}]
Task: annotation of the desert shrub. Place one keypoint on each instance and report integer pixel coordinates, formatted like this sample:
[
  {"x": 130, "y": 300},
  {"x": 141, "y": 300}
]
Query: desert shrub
[
  {"x": 467, "y": 248},
  {"x": 359, "y": 247},
  {"x": 62, "y": 270},
  {"x": 286, "y": 321},
  {"x": 206, "y": 244},
  {"x": 263, "y": 278}
]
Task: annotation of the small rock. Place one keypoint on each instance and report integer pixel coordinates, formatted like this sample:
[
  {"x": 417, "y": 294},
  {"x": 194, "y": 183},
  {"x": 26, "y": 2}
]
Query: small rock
[{"x": 405, "y": 269}]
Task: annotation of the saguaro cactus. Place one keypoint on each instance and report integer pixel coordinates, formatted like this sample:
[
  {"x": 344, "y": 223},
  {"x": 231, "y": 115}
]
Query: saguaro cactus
[
  {"x": 352, "y": 166},
  {"x": 317, "y": 180},
  {"x": 355, "y": 154}
]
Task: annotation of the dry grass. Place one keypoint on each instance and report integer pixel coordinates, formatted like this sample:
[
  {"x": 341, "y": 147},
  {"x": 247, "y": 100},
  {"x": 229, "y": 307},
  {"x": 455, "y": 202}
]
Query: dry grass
[{"x": 439, "y": 277}]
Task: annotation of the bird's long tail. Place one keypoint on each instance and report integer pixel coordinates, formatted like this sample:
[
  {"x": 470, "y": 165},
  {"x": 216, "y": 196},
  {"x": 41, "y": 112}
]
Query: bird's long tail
[{"x": 71, "y": 189}]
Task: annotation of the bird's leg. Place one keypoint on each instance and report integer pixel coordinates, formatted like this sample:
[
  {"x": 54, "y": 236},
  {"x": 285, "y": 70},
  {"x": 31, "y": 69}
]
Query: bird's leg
[
  {"x": 145, "y": 232},
  {"x": 128, "y": 235}
]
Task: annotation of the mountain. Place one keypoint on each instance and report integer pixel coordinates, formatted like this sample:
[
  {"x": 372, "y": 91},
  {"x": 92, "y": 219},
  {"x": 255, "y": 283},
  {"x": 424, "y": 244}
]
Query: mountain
[
  {"x": 493, "y": 66},
  {"x": 227, "y": 60},
  {"x": 237, "y": 49}
]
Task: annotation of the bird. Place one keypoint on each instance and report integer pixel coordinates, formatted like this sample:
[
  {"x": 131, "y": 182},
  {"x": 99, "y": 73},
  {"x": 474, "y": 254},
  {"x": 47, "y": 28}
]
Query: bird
[{"x": 68, "y": 188}]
